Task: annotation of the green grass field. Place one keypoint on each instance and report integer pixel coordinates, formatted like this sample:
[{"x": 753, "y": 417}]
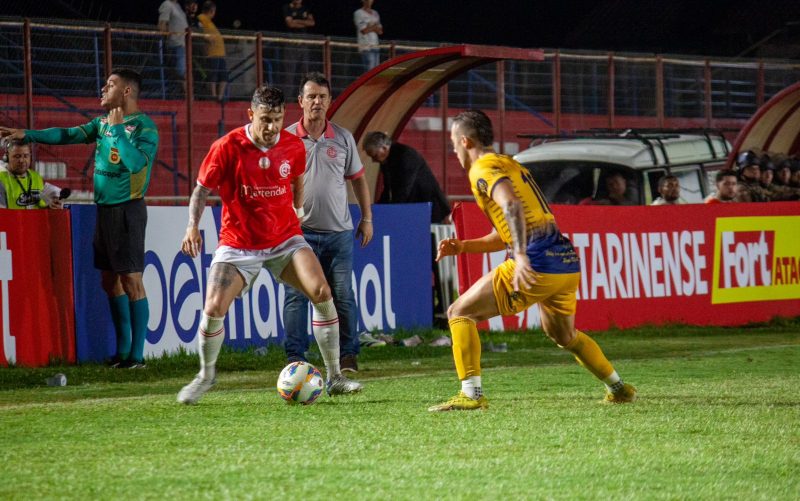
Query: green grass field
[{"x": 718, "y": 418}]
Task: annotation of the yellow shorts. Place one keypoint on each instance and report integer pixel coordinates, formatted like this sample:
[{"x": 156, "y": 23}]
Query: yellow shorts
[{"x": 555, "y": 293}]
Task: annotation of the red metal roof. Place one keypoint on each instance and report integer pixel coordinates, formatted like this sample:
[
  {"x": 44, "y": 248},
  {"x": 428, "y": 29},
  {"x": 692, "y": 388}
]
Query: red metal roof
[
  {"x": 386, "y": 97},
  {"x": 774, "y": 128}
]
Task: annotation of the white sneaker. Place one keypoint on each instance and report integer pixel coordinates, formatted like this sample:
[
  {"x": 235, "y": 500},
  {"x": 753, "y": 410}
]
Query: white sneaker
[
  {"x": 193, "y": 391},
  {"x": 366, "y": 340},
  {"x": 340, "y": 385}
]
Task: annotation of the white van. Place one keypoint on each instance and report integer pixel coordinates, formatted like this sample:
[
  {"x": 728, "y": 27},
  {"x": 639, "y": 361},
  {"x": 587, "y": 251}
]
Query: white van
[{"x": 573, "y": 169}]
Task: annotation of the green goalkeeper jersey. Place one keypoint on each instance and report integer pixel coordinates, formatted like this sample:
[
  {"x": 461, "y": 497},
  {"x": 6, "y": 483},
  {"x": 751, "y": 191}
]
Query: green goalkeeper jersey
[{"x": 123, "y": 157}]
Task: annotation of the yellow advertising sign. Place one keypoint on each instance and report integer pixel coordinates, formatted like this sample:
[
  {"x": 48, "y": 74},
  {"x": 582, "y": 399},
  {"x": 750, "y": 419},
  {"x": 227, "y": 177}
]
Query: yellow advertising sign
[{"x": 756, "y": 259}]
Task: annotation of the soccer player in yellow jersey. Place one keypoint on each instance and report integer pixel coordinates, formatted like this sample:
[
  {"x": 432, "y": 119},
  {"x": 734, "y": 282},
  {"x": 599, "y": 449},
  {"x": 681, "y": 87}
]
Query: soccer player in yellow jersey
[{"x": 544, "y": 267}]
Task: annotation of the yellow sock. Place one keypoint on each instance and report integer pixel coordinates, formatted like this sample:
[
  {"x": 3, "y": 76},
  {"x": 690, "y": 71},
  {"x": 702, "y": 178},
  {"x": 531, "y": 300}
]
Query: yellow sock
[
  {"x": 466, "y": 347},
  {"x": 588, "y": 354}
]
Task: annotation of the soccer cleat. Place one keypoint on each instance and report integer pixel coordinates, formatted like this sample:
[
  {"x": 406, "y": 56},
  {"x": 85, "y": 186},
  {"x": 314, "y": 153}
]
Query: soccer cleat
[
  {"x": 625, "y": 395},
  {"x": 340, "y": 385},
  {"x": 366, "y": 340},
  {"x": 461, "y": 402},
  {"x": 193, "y": 391}
]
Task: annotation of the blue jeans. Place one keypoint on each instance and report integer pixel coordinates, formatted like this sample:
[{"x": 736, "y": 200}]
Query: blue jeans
[
  {"x": 335, "y": 254},
  {"x": 370, "y": 58}
]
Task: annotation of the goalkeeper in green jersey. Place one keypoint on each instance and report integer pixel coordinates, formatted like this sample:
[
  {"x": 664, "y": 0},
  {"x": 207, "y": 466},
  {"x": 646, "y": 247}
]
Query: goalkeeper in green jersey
[{"x": 126, "y": 142}]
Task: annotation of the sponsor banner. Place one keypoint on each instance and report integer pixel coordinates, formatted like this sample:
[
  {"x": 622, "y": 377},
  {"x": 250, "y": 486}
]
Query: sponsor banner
[
  {"x": 725, "y": 264},
  {"x": 38, "y": 323},
  {"x": 391, "y": 280}
]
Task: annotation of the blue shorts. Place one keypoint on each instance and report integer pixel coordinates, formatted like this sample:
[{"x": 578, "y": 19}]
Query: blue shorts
[{"x": 217, "y": 69}]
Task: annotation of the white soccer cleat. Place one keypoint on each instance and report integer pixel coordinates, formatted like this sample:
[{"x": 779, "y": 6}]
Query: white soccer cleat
[
  {"x": 195, "y": 390},
  {"x": 340, "y": 385}
]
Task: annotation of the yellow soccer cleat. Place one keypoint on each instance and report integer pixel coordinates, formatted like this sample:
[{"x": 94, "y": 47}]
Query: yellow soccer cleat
[
  {"x": 626, "y": 395},
  {"x": 461, "y": 402}
]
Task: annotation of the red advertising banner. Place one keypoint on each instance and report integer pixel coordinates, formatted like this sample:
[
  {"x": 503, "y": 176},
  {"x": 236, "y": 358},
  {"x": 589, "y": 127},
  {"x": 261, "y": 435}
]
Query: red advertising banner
[
  {"x": 37, "y": 315},
  {"x": 722, "y": 264}
]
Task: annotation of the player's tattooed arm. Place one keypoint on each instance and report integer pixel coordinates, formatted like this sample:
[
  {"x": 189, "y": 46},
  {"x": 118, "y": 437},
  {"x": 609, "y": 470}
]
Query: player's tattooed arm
[
  {"x": 515, "y": 220},
  {"x": 192, "y": 240},
  {"x": 197, "y": 203}
]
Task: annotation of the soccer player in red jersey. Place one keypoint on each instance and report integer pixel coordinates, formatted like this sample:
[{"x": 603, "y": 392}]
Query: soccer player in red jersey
[{"x": 258, "y": 171}]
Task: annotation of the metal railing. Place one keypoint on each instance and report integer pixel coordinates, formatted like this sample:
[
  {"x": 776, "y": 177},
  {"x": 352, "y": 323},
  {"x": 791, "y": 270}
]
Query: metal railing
[{"x": 52, "y": 72}]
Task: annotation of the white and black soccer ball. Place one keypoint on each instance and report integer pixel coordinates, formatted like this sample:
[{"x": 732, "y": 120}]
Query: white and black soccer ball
[{"x": 300, "y": 382}]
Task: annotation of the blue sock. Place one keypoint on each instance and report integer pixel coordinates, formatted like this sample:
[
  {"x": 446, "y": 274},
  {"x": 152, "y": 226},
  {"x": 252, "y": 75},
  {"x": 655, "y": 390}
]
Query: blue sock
[
  {"x": 121, "y": 316},
  {"x": 140, "y": 314}
]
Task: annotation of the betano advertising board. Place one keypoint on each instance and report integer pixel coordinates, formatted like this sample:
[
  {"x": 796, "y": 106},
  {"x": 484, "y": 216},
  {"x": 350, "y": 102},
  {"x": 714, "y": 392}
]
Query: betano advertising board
[{"x": 391, "y": 280}]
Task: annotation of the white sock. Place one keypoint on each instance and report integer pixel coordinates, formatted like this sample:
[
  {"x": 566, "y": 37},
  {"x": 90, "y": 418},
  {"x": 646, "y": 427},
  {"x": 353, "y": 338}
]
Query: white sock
[
  {"x": 472, "y": 387},
  {"x": 325, "y": 325},
  {"x": 210, "y": 337},
  {"x": 613, "y": 382}
]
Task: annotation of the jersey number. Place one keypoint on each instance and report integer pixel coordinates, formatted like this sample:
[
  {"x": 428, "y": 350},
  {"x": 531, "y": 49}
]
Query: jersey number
[{"x": 528, "y": 178}]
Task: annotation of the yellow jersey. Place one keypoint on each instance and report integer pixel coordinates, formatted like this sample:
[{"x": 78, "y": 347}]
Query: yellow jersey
[{"x": 547, "y": 249}]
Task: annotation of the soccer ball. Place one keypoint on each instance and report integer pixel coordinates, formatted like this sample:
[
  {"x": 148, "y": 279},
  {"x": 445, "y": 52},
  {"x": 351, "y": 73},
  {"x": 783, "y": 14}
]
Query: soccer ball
[{"x": 300, "y": 382}]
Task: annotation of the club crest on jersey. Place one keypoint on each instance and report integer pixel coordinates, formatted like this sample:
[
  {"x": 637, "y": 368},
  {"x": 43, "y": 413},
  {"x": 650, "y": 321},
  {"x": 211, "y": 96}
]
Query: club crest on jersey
[
  {"x": 483, "y": 186},
  {"x": 285, "y": 169},
  {"x": 331, "y": 151},
  {"x": 113, "y": 156},
  {"x": 263, "y": 162}
]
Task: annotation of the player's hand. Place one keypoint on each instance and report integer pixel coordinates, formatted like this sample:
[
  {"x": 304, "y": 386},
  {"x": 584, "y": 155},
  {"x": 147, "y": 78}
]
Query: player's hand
[
  {"x": 115, "y": 116},
  {"x": 56, "y": 203},
  {"x": 524, "y": 275},
  {"x": 449, "y": 247},
  {"x": 191, "y": 242},
  {"x": 9, "y": 133},
  {"x": 364, "y": 232}
]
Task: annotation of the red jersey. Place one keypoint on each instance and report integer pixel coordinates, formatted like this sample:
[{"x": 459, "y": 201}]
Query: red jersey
[{"x": 255, "y": 186}]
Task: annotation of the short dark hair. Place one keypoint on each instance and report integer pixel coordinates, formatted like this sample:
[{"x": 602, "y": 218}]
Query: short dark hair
[
  {"x": 130, "y": 77},
  {"x": 663, "y": 180},
  {"x": 476, "y": 125},
  {"x": 376, "y": 139},
  {"x": 316, "y": 77},
  {"x": 208, "y": 6},
  {"x": 270, "y": 97},
  {"x": 722, "y": 174}
]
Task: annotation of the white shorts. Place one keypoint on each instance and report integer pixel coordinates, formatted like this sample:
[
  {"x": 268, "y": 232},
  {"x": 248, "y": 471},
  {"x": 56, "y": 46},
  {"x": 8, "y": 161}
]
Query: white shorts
[{"x": 249, "y": 262}]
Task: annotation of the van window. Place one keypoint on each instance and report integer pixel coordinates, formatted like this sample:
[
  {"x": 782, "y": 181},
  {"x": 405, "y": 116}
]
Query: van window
[
  {"x": 572, "y": 182},
  {"x": 691, "y": 184}
]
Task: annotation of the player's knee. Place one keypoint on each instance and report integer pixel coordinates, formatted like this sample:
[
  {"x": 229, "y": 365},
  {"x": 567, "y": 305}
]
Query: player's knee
[{"x": 320, "y": 294}]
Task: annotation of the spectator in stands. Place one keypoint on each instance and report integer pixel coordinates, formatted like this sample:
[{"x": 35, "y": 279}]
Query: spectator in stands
[
  {"x": 749, "y": 188},
  {"x": 215, "y": 51},
  {"x": 192, "y": 8},
  {"x": 407, "y": 178},
  {"x": 126, "y": 142},
  {"x": 669, "y": 187},
  {"x": 298, "y": 19},
  {"x": 725, "y": 181},
  {"x": 331, "y": 160},
  {"x": 22, "y": 187},
  {"x": 616, "y": 191},
  {"x": 260, "y": 229},
  {"x": 368, "y": 27},
  {"x": 173, "y": 23}
]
